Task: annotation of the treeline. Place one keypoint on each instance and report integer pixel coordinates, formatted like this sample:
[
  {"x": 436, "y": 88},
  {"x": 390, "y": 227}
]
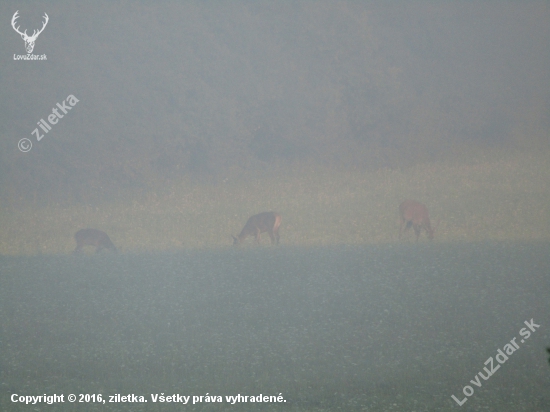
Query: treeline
[{"x": 206, "y": 89}]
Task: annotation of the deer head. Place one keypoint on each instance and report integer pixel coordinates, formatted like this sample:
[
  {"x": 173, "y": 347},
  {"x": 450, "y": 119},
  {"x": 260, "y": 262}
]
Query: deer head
[{"x": 29, "y": 40}]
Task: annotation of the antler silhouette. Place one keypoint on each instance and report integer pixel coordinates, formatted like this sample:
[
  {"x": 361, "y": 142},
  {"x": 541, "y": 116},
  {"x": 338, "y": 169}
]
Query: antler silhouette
[{"x": 29, "y": 40}]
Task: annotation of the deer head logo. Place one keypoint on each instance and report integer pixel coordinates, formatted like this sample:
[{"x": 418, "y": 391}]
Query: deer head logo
[{"x": 29, "y": 40}]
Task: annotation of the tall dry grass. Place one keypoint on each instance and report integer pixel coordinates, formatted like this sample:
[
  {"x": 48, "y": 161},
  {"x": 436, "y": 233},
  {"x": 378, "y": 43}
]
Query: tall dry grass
[{"x": 490, "y": 195}]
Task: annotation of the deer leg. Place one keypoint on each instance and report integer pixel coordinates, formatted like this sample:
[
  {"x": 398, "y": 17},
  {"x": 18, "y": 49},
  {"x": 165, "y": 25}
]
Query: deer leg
[
  {"x": 401, "y": 228},
  {"x": 258, "y": 235},
  {"x": 272, "y": 236},
  {"x": 407, "y": 227},
  {"x": 417, "y": 231}
]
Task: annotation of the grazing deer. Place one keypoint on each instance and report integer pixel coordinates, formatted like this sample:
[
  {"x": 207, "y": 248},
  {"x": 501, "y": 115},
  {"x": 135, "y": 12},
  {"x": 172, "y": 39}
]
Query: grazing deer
[
  {"x": 415, "y": 214},
  {"x": 263, "y": 222},
  {"x": 93, "y": 237}
]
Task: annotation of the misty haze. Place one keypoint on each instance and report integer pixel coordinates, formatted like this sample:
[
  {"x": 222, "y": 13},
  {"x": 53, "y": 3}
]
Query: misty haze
[{"x": 275, "y": 205}]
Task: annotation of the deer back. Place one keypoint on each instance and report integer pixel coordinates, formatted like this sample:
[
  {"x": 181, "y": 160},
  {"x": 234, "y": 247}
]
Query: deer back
[
  {"x": 260, "y": 223},
  {"x": 93, "y": 237},
  {"x": 414, "y": 212}
]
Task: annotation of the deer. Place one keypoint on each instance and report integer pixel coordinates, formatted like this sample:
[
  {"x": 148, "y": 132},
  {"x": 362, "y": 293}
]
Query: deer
[
  {"x": 29, "y": 40},
  {"x": 256, "y": 225},
  {"x": 93, "y": 237},
  {"x": 415, "y": 214}
]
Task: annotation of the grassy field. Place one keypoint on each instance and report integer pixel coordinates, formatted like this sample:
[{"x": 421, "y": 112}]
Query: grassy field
[
  {"x": 332, "y": 328},
  {"x": 491, "y": 195}
]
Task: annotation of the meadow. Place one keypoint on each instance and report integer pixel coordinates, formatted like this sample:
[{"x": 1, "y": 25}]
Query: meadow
[
  {"x": 483, "y": 195},
  {"x": 340, "y": 316},
  {"x": 331, "y": 328}
]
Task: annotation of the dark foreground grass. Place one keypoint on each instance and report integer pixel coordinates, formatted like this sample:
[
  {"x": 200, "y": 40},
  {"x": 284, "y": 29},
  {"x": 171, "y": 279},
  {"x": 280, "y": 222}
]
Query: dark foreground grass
[{"x": 348, "y": 328}]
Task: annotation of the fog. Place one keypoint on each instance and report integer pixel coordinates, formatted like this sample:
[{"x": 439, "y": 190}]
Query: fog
[
  {"x": 176, "y": 89},
  {"x": 334, "y": 328},
  {"x": 163, "y": 127}
]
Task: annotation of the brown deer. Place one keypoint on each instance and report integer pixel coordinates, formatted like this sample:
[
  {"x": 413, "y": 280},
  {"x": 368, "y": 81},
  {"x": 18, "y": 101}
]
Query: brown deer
[
  {"x": 93, "y": 237},
  {"x": 415, "y": 214},
  {"x": 263, "y": 222}
]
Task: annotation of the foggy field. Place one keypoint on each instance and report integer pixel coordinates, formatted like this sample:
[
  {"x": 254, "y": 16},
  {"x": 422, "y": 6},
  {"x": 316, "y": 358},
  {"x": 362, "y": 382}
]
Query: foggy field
[
  {"x": 497, "y": 195},
  {"x": 380, "y": 328},
  {"x": 163, "y": 132}
]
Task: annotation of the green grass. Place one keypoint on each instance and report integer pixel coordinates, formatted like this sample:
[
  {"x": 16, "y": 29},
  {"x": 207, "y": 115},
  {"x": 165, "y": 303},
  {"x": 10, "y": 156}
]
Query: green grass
[
  {"x": 491, "y": 195},
  {"x": 345, "y": 328}
]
